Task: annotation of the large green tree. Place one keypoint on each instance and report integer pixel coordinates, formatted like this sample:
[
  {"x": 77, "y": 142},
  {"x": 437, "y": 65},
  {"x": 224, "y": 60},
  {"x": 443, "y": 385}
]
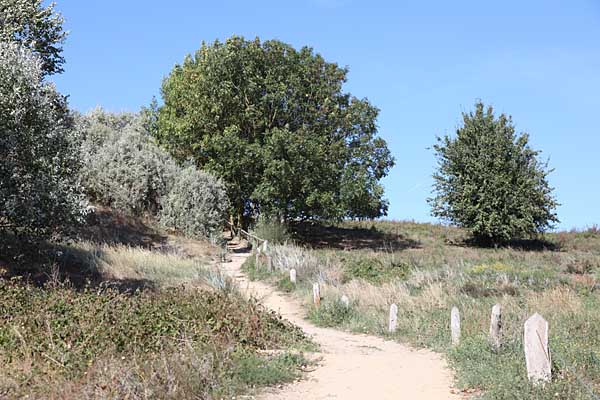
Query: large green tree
[
  {"x": 35, "y": 27},
  {"x": 274, "y": 123},
  {"x": 491, "y": 181}
]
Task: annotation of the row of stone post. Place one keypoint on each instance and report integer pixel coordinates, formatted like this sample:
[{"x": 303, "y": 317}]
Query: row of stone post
[
  {"x": 495, "y": 335},
  {"x": 535, "y": 338},
  {"x": 345, "y": 300},
  {"x": 535, "y": 342}
]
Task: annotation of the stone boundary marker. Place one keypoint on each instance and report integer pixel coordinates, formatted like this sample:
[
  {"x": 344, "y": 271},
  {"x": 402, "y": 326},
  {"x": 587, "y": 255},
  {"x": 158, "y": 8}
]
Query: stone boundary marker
[
  {"x": 393, "y": 319},
  {"x": 537, "y": 354},
  {"x": 316, "y": 294},
  {"x": 293, "y": 276},
  {"x": 345, "y": 301},
  {"x": 496, "y": 327},
  {"x": 455, "y": 326},
  {"x": 535, "y": 342}
]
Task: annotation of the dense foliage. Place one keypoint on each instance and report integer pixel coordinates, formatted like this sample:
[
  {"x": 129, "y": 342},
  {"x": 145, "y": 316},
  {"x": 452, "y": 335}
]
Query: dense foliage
[
  {"x": 490, "y": 181},
  {"x": 196, "y": 205},
  {"x": 123, "y": 168},
  {"x": 271, "y": 229},
  {"x": 126, "y": 170},
  {"x": 39, "y": 162},
  {"x": 275, "y": 125},
  {"x": 35, "y": 27}
]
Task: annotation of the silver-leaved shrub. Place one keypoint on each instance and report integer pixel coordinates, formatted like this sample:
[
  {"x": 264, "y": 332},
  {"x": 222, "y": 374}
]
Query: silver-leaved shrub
[
  {"x": 123, "y": 168},
  {"x": 126, "y": 170},
  {"x": 196, "y": 205},
  {"x": 39, "y": 156}
]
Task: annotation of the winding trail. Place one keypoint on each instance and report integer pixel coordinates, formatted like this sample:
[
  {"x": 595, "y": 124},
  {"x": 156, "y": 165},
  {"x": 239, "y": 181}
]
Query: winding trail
[{"x": 353, "y": 366}]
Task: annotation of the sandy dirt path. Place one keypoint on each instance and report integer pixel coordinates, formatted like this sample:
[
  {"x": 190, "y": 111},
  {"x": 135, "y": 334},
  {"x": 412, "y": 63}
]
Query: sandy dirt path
[{"x": 353, "y": 366}]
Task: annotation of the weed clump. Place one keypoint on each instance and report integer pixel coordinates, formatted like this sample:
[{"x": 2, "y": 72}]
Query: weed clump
[
  {"x": 331, "y": 313},
  {"x": 376, "y": 270}
]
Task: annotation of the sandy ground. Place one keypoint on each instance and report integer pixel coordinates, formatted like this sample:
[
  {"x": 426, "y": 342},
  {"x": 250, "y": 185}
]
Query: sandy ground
[{"x": 352, "y": 366}]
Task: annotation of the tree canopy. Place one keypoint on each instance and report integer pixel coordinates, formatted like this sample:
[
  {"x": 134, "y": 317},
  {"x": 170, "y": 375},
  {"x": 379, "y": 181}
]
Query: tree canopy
[
  {"x": 274, "y": 123},
  {"x": 35, "y": 27},
  {"x": 490, "y": 181}
]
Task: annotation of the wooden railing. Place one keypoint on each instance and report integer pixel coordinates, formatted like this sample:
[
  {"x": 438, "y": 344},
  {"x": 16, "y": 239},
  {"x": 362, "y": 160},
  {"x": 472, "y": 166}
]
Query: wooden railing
[{"x": 255, "y": 240}]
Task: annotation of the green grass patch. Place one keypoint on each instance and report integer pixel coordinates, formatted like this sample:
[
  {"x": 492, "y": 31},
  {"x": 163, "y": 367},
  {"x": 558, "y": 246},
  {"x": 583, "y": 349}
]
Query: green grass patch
[
  {"x": 377, "y": 270},
  {"x": 252, "y": 369},
  {"x": 254, "y": 271},
  {"x": 332, "y": 313}
]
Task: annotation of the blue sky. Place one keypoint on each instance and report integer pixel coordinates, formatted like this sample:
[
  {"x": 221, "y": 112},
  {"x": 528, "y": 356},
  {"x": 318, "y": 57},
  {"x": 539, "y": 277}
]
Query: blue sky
[{"x": 421, "y": 62}]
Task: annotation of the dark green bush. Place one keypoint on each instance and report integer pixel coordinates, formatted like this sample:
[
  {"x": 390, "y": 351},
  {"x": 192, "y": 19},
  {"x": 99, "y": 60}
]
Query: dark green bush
[
  {"x": 376, "y": 270},
  {"x": 330, "y": 313},
  {"x": 252, "y": 369}
]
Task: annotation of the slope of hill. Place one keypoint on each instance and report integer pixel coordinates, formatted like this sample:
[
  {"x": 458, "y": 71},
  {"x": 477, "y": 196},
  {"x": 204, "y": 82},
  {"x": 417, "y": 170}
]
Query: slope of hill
[{"x": 132, "y": 311}]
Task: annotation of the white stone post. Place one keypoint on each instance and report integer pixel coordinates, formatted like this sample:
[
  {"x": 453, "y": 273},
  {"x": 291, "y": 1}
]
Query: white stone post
[
  {"x": 293, "y": 276},
  {"x": 496, "y": 327},
  {"x": 316, "y": 294},
  {"x": 537, "y": 354},
  {"x": 455, "y": 326},
  {"x": 393, "y": 319},
  {"x": 345, "y": 301}
]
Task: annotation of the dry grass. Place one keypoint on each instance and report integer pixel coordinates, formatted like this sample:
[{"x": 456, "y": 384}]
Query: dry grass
[
  {"x": 121, "y": 262},
  {"x": 308, "y": 265}
]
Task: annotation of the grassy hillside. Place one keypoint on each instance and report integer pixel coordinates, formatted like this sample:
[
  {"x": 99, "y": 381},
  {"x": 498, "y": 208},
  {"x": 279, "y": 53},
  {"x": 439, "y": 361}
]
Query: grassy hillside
[
  {"x": 427, "y": 269},
  {"x": 131, "y": 311}
]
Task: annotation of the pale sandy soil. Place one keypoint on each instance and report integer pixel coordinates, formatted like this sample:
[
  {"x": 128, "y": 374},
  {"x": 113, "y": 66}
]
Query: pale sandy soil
[{"x": 352, "y": 366}]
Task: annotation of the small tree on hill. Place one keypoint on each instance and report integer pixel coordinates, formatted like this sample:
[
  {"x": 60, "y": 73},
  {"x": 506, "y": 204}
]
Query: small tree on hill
[{"x": 490, "y": 181}]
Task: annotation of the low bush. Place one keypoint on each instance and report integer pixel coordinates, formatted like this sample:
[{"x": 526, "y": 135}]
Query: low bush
[
  {"x": 128, "y": 172},
  {"x": 196, "y": 205},
  {"x": 331, "y": 313},
  {"x": 252, "y": 369},
  {"x": 582, "y": 266},
  {"x": 376, "y": 270},
  {"x": 271, "y": 229}
]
